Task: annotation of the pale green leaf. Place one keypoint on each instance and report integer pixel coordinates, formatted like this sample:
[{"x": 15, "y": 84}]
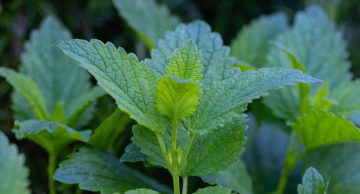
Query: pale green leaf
[
  {"x": 177, "y": 98},
  {"x": 216, "y": 63},
  {"x": 129, "y": 82},
  {"x": 13, "y": 173},
  {"x": 149, "y": 20},
  {"x": 338, "y": 164},
  {"x": 29, "y": 90},
  {"x": 142, "y": 191},
  {"x": 109, "y": 131},
  {"x": 321, "y": 101},
  {"x": 232, "y": 95},
  {"x": 347, "y": 97},
  {"x": 236, "y": 178},
  {"x": 320, "y": 128},
  {"x": 53, "y": 137},
  {"x": 57, "y": 116},
  {"x": 185, "y": 63},
  {"x": 312, "y": 183},
  {"x": 213, "y": 190},
  {"x": 252, "y": 42},
  {"x": 99, "y": 171}
]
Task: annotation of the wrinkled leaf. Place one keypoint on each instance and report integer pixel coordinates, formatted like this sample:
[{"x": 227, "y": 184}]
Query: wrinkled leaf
[{"x": 312, "y": 183}]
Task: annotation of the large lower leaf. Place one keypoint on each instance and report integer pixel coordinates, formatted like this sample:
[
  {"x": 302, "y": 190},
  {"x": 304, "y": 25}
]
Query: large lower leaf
[
  {"x": 339, "y": 165},
  {"x": 252, "y": 42},
  {"x": 53, "y": 137},
  {"x": 222, "y": 101},
  {"x": 98, "y": 171},
  {"x": 320, "y": 128},
  {"x": 312, "y": 183},
  {"x": 13, "y": 178},
  {"x": 129, "y": 82},
  {"x": 147, "y": 18},
  {"x": 236, "y": 178},
  {"x": 213, "y": 190}
]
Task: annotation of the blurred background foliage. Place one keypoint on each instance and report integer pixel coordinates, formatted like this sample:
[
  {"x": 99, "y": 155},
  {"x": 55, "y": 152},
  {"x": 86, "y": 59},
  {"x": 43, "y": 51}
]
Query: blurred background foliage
[{"x": 99, "y": 19}]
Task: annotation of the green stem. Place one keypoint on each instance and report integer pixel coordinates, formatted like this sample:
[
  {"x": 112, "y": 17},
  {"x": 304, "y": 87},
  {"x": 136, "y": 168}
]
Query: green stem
[
  {"x": 185, "y": 185},
  {"x": 162, "y": 146},
  {"x": 176, "y": 183},
  {"x": 183, "y": 160},
  {"x": 51, "y": 170}
]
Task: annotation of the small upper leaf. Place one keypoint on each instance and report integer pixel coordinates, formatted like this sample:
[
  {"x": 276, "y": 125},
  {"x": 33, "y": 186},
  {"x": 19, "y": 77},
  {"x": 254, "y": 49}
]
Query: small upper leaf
[
  {"x": 147, "y": 18},
  {"x": 99, "y": 171},
  {"x": 13, "y": 178},
  {"x": 213, "y": 190},
  {"x": 312, "y": 183},
  {"x": 319, "y": 128}
]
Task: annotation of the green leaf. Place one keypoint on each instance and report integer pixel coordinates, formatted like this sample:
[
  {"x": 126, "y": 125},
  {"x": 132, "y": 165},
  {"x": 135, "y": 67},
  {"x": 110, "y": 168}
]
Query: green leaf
[
  {"x": 177, "y": 98},
  {"x": 319, "y": 47},
  {"x": 58, "y": 77},
  {"x": 129, "y": 82},
  {"x": 252, "y": 42},
  {"x": 214, "y": 152},
  {"x": 320, "y": 128},
  {"x": 149, "y": 20},
  {"x": 321, "y": 99},
  {"x": 216, "y": 63},
  {"x": 57, "y": 116},
  {"x": 109, "y": 131},
  {"x": 99, "y": 171},
  {"x": 142, "y": 191},
  {"x": 28, "y": 89},
  {"x": 337, "y": 164},
  {"x": 312, "y": 183},
  {"x": 185, "y": 63},
  {"x": 14, "y": 174},
  {"x": 53, "y": 137},
  {"x": 236, "y": 178},
  {"x": 133, "y": 154},
  {"x": 213, "y": 190},
  {"x": 232, "y": 95},
  {"x": 347, "y": 97}
]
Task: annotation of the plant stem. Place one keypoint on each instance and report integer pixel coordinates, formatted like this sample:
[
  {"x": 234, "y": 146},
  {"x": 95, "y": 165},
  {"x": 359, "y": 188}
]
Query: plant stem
[
  {"x": 183, "y": 160},
  {"x": 185, "y": 185},
  {"x": 163, "y": 150},
  {"x": 51, "y": 170},
  {"x": 176, "y": 183}
]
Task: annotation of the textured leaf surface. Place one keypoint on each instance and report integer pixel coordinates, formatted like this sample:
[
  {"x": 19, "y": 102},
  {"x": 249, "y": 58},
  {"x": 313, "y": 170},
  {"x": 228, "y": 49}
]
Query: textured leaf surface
[
  {"x": 14, "y": 174},
  {"x": 252, "y": 42},
  {"x": 216, "y": 63},
  {"x": 220, "y": 103},
  {"x": 129, "y": 82},
  {"x": 316, "y": 43},
  {"x": 109, "y": 131},
  {"x": 319, "y": 128},
  {"x": 133, "y": 154},
  {"x": 98, "y": 171},
  {"x": 142, "y": 191},
  {"x": 58, "y": 76},
  {"x": 28, "y": 89},
  {"x": 147, "y": 18},
  {"x": 236, "y": 178},
  {"x": 214, "y": 152},
  {"x": 53, "y": 137},
  {"x": 213, "y": 190},
  {"x": 347, "y": 97},
  {"x": 177, "y": 98},
  {"x": 338, "y": 164},
  {"x": 312, "y": 183}
]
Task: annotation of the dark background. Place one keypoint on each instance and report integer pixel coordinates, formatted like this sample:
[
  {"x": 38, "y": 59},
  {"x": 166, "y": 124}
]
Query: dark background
[{"x": 88, "y": 19}]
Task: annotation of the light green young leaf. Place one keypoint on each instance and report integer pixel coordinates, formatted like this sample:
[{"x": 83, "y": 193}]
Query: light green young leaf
[
  {"x": 29, "y": 90},
  {"x": 149, "y": 20},
  {"x": 232, "y": 95},
  {"x": 185, "y": 63},
  {"x": 347, "y": 97},
  {"x": 14, "y": 174},
  {"x": 58, "y": 76},
  {"x": 177, "y": 98},
  {"x": 312, "y": 183},
  {"x": 57, "y": 116},
  {"x": 216, "y": 63},
  {"x": 109, "y": 131},
  {"x": 337, "y": 164},
  {"x": 252, "y": 42},
  {"x": 99, "y": 171},
  {"x": 129, "y": 82},
  {"x": 321, "y": 101},
  {"x": 236, "y": 178},
  {"x": 320, "y": 128},
  {"x": 53, "y": 137},
  {"x": 142, "y": 191},
  {"x": 213, "y": 190},
  {"x": 316, "y": 43}
]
